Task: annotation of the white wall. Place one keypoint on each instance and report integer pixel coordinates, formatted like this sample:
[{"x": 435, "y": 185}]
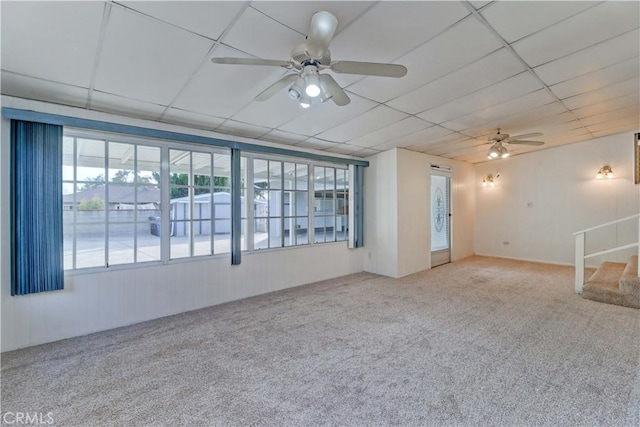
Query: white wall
[
  {"x": 397, "y": 205},
  {"x": 95, "y": 302},
  {"x": 543, "y": 197},
  {"x": 381, "y": 214}
]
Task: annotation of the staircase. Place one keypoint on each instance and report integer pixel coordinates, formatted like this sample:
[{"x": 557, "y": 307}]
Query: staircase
[{"x": 615, "y": 283}]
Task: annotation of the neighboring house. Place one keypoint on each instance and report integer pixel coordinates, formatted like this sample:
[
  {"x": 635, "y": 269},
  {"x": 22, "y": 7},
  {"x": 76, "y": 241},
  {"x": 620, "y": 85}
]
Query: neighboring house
[{"x": 121, "y": 197}]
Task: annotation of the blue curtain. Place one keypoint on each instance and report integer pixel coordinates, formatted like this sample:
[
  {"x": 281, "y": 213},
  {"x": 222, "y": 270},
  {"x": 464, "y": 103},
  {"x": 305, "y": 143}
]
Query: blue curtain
[
  {"x": 358, "y": 182},
  {"x": 236, "y": 208},
  {"x": 36, "y": 208}
]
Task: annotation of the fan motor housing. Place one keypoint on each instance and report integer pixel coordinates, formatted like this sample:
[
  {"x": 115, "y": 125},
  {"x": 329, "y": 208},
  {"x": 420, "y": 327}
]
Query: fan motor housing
[{"x": 299, "y": 56}]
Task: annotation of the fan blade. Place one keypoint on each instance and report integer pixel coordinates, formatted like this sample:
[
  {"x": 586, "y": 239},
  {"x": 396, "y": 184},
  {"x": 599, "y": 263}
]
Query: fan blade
[
  {"x": 280, "y": 84},
  {"x": 527, "y": 135},
  {"x": 333, "y": 88},
  {"x": 251, "y": 61},
  {"x": 522, "y": 142},
  {"x": 323, "y": 26},
  {"x": 369, "y": 68}
]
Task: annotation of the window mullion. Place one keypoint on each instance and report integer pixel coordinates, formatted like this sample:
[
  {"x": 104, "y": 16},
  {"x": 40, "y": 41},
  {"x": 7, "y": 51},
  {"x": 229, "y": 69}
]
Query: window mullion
[
  {"x": 311, "y": 229},
  {"x": 191, "y": 191},
  {"x": 282, "y": 213},
  {"x": 236, "y": 249},
  {"x": 335, "y": 205},
  {"x": 249, "y": 205},
  {"x": 165, "y": 211},
  {"x": 136, "y": 210},
  {"x": 75, "y": 203},
  {"x": 106, "y": 204},
  {"x": 212, "y": 188}
]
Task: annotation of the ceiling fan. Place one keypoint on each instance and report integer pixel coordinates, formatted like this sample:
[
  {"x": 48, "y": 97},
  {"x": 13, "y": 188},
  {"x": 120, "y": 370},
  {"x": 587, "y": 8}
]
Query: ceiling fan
[
  {"x": 307, "y": 85},
  {"x": 499, "y": 150}
]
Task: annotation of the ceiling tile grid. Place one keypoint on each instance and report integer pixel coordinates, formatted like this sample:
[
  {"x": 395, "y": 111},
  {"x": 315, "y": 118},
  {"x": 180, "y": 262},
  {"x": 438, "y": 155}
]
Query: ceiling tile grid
[
  {"x": 569, "y": 69},
  {"x": 146, "y": 59}
]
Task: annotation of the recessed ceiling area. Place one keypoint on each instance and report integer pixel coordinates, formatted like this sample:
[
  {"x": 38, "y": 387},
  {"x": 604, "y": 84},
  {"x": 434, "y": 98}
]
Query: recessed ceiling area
[{"x": 568, "y": 69}]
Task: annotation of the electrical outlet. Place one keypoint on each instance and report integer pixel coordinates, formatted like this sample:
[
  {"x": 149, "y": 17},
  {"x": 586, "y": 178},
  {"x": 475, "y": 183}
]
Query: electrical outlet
[
  {"x": 529, "y": 204},
  {"x": 506, "y": 243},
  {"x": 369, "y": 255}
]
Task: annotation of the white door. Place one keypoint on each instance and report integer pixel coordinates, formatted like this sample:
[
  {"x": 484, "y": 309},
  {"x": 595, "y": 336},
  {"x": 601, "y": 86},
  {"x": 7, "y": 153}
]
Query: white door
[{"x": 440, "y": 218}]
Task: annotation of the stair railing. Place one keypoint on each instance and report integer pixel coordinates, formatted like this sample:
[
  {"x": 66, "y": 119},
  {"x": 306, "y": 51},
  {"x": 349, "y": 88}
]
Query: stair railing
[{"x": 580, "y": 245}]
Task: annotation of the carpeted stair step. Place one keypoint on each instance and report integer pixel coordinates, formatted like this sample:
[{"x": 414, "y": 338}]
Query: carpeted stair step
[
  {"x": 604, "y": 286},
  {"x": 629, "y": 281}
]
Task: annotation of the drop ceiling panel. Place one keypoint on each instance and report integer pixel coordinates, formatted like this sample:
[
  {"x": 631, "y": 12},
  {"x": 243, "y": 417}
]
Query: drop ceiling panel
[
  {"x": 610, "y": 116},
  {"x": 316, "y": 144},
  {"x": 259, "y": 35},
  {"x": 297, "y": 14},
  {"x": 154, "y": 64},
  {"x": 591, "y": 59},
  {"x": 543, "y": 125},
  {"x": 146, "y": 59},
  {"x": 51, "y": 40},
  {"x": 461, "y": 45},
  {"x": 421, "y": 138},
  {"x": 206, "y": 18},
  {"x": 515, "y": 106},
  {"x": 128, "y": 107},
  {"x": 326, "y": 116},
  {"x": 455, "y": 147},
  {"x": 598, "y": 79},
  {"x": 603, "y": 94},
  {"x": 592, "y": 26},
  {"x": 189, "y": 118},
  {"x": 566, "y": 135},
  {"x": 479, "y": 4},
  {"x": 410, "y": 23},
  {"x": 545, "y": 112},
  {"x": 610, "y": 132},
  {"x": 484, "y": 72},
  {"x": 427, "y": 145},
  {"x": 273, "y": 112},
  {"x": 284, "y": 137},
  {"x": 247, "y": 130},
  {"x": 631, "y": 101},
  {"x": 548, "y": 130},
  {"x": 365, "y": 153},
  {"x": 625, "y": 123},
  {"x": 514, "y": 20},
  {"x": 223, "y": 90},
  {"x": 391, "y": 132},
  {"x": 43, "y": 90},
  {"x": 480, "y": 149},
  {"x": 498, "y": 93},
  {"x": 343, "y": 149},
  {"x": 628, "y": 122},
  {"x": 370, "y": 121}
]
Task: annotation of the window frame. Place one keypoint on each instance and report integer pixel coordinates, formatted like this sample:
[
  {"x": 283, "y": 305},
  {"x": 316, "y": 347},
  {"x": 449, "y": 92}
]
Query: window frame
[{"x": 247, "y": 216}]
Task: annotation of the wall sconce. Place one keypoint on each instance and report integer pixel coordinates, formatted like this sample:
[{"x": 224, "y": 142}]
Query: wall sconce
[
  {"x": 489, "y": 180},
  {"x": 605, "y": 172}
]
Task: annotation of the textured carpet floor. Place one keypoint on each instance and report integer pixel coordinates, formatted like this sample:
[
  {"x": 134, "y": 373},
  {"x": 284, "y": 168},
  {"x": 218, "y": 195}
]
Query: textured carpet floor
[{"x": 481, "y": 341}]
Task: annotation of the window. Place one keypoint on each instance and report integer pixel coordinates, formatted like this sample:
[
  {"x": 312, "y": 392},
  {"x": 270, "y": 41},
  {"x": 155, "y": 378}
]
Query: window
[
  {"x": 111, "y": 198},
  {"x": 331, "y": 204},
  {"x": 129, "y": 200},
  {"x": 280, "y": 203},
  {"x": 199, "y": 203}
]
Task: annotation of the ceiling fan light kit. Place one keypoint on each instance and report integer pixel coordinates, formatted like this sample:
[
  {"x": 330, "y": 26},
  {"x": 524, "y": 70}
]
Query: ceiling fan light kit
[
  {"x": 497, "y": 141},
  {"x": 311, "y": 57}
]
